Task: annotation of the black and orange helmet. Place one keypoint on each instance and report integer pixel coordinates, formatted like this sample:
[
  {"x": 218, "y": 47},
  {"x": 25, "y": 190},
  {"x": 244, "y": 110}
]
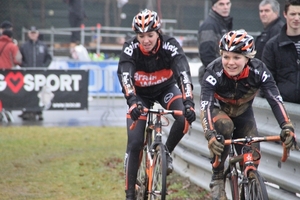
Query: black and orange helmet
[
  {"x": 146, "y": 21},
  {"x": 237, "y": 41}
]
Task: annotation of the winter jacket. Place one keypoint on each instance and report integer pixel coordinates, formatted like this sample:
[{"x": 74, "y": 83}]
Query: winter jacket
[
  {"x": 281, "y": 57},
  {"x": 209, "y": 34},
  {"x": 271, "y": 30},
  {"x": 9, "y": 53},
  {"x": 35, "y": 54}
]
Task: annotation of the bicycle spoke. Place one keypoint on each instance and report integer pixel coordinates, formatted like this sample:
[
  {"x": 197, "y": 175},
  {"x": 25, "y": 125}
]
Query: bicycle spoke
[
  {"x": 257, "y": 187},
  {"x": 142, "y": 180},
  {"x": 159, "y": 174}
]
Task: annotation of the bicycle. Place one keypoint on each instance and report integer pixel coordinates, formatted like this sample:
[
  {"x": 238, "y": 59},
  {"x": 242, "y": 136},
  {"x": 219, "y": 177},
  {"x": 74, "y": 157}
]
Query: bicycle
[
  {"x": 151, "y": 180},
  {"x": 246, "y": 183}
]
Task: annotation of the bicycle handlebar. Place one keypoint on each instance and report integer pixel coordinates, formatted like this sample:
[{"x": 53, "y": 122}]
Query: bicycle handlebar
[
  {"x": 250, "y": 140},
  {"x": 157, "y": 111}
]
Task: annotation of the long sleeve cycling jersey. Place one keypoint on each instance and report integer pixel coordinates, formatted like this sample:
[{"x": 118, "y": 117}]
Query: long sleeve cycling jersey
[
  {"x": 236, "y": 94},
  {"x": 148, "y": 75}
]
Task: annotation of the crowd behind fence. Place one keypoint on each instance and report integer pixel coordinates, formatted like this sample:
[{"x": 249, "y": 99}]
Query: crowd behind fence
[{"x": 102, "y": 38}]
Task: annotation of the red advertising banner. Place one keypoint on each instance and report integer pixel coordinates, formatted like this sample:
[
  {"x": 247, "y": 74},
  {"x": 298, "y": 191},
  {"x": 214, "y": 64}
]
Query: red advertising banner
[{"x": 44, "y": 89}]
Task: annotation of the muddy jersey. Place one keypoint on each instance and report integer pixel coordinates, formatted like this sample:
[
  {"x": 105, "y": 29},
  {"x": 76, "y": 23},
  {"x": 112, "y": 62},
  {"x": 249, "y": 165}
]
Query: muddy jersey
[
  {"x": 150, "y": 74},
  {"x": 235, "y": 95}
]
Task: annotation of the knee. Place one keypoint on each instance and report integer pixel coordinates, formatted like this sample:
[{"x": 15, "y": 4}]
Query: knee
[{"x": 224, "y": 126}]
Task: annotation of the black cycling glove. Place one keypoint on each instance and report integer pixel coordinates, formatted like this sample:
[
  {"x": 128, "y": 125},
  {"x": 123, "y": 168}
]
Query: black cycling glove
[
  {"x": 135, "y": 111},
  {"x": 189, "y": 111}
]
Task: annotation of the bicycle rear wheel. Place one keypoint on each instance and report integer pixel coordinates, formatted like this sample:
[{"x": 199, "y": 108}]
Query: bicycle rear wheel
[
  {"x": 159, "y": 175},
  {"x": 256, "y": 187},
  {"x": 141, "y": 186}
]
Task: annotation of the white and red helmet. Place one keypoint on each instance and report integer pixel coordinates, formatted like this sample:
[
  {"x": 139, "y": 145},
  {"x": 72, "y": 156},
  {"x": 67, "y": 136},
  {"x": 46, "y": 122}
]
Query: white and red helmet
[
  {"x": 237, "y": 41},
  {"x": 146, "y": 21}
]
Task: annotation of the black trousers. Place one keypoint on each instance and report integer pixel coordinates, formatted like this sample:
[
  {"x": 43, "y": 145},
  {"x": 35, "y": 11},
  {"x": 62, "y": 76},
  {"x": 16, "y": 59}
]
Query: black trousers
[{"x": 75, "y": 22}]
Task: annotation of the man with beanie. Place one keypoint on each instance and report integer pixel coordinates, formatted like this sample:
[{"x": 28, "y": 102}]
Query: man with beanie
[
  {"x": 35, "y": 54},
  {"x": 10, "y": 54},
  {"x": 5, "y": 25},
  {"x": 210, "y": 32}
]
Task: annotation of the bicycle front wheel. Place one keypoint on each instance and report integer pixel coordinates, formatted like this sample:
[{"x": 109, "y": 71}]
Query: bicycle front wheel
[
  {"x": 256, "y": 187},
  {"x": 159, "y": 175},
  {"x": 141, "y": 186}
]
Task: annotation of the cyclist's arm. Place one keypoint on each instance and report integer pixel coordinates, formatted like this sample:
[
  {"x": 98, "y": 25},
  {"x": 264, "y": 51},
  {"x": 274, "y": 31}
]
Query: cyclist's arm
[
  {"x": 181, "y": 69},
  {"x": 273, "y": 97},
  {"x": 126, "y": 70},
  {"x": 207, "y": 101}
]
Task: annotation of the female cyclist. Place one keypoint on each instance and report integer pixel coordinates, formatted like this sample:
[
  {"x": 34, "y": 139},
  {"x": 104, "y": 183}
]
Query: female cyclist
[
  {"x": 153, "y": 67},
  {"x": 229, "y": 86}
]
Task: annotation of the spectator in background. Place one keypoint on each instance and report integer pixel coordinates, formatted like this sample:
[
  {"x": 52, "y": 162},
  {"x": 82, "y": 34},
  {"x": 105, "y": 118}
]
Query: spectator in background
[
  {"x": 282, "y": 54},
  {"x": 76, "y": 17},
  {"x": 269, "y": 16},
  {"x": 10, "y": 55},
  {"x": 5, "y": 25},
  {"x": 34, "y": 54},
  {"x": 210, "y": 32}
]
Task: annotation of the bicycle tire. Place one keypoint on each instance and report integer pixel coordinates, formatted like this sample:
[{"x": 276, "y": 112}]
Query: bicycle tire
[
  {"x": 142, "y": 178},
  {"x": 159, "y": 175},
  {"x": 141, "y": 189},
  {"x": 255, "y": 188}
]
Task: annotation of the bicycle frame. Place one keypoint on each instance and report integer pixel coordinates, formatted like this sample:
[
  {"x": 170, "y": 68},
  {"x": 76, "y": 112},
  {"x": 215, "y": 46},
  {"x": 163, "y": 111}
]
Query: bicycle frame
[
  {"x": 154, "y": 150},
  {"x": 249, "y": 173}
]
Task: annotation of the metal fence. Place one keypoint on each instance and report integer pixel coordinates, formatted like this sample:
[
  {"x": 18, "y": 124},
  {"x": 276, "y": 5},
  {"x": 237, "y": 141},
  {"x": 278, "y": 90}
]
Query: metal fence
[{"x": 188, "y": 14}]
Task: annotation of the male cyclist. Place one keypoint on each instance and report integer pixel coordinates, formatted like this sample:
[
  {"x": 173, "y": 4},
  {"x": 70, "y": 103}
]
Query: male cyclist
[
  {"x": 229, "y": 86},
  {"x": 153, "y": 67}
]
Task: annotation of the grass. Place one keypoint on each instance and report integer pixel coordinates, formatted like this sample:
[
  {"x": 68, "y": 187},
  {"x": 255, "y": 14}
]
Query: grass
[{"x": 70, "y": 163}]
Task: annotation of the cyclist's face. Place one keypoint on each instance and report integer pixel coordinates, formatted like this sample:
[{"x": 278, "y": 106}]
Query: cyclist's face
[
  {"x": 148, "y": 40},
  {"x": 266, "y": 14},
  {"x": 233, "y": 63},
  {"x": 222, "y": 7}
]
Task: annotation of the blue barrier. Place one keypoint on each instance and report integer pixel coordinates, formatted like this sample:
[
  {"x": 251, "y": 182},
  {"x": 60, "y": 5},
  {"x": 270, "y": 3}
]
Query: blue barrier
[{"x": 103, "y": 79}]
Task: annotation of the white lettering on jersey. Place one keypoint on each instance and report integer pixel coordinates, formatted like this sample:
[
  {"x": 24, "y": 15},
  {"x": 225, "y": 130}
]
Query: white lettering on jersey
[
  {"x": 211, "y": 80},
  {"x": 203, "y": 104},
  {"x": 129, "y": 50},
  {"x": 265, "y": 76},
  {"x": 172, "y": 48}
]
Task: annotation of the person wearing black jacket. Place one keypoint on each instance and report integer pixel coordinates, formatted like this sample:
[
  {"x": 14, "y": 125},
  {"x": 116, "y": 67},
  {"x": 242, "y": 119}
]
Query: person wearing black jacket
[
  {"x": 34, "y": 54},
  {"x": 229, "y": 87},
  {"x": 153, "y": 68},
  {"x": 282, "y": 54},
  {"x": 76, "y": 16},
  {"x": 210, "y": 32},
  {"x": 269, "y": 15}
]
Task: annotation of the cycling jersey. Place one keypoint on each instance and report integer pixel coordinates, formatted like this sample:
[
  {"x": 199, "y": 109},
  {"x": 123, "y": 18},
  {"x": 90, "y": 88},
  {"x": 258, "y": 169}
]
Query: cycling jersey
[
  {"x": 150, "y": 74},
  {"x": 235, "y": 94}
]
